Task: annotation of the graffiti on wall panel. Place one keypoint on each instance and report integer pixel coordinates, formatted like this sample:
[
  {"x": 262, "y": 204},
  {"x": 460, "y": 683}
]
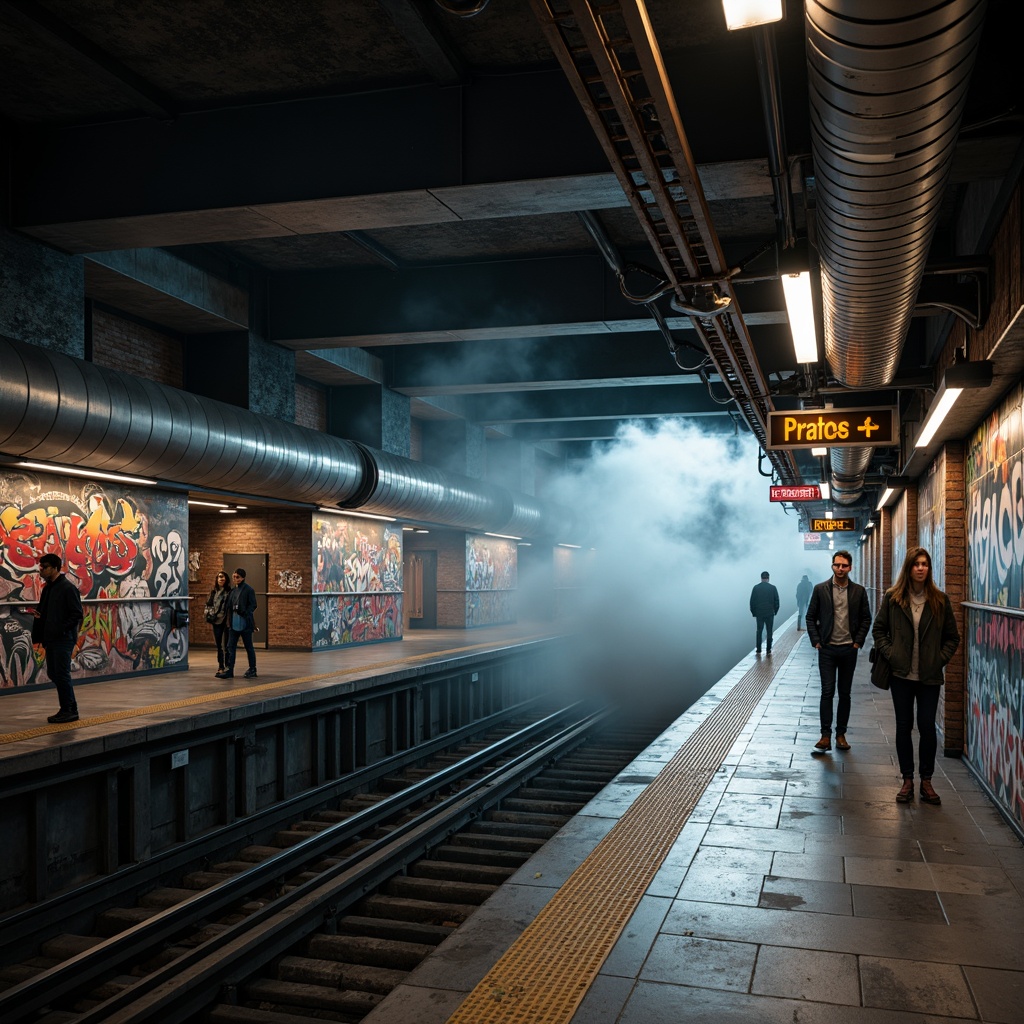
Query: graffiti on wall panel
[
  {"x": 357, "y": 556},
  {"x": 491, "y": 607},
  {"x": 491, "y": 563},
  {"x": 995, "y": 719},
  {"x": 114, "y": 543},
  {"x": 340, "y": 619},
  {"x": 899, "y": 536},
  {"x": 931, "y": 530},
  {"x": 995, "y": 513}
]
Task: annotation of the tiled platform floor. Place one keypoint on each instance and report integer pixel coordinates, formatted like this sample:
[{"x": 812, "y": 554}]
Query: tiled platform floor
[{"x": 798, "y": 891}]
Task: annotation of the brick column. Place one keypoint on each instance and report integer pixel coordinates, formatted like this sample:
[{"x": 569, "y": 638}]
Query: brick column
[{"x": 955, "y": 585}]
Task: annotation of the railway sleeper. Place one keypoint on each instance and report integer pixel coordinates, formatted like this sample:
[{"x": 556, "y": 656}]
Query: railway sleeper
[
  {"x": 423, "y": 911},
  {"x": 354, "y": 977},
  {"x": 15, "y": 974},
  {"x": 461, "y": 871},
  {"x": 369, "y": 950},
  {"x": 554, "y": 821},
  {"x": 393, "y": 929},
  {"x": 539, "y": 804},
  {"x": 520, "y": 845},
  {"x": 512, "y": 827},
  {"x": 496, "y": 857},
  {"x": 567, "y": 785},
  {"x": 225, "y": 1014},
  {"x": 437, "y": 889},
  {"x": 290, "y": 997}
]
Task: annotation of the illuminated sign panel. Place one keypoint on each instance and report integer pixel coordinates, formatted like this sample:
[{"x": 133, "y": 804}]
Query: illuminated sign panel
[
  {"x": 783, "y": 492},
  {"x": 833, "y": 428},
  {"x": 832, "y": 525}
]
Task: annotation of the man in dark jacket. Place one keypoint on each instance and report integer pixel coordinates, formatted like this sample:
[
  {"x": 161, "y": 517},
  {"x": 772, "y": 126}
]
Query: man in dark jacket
[
  {"x": 764, "y": 603},
  {"x": 838, "y": 620},
  {"x": 57, "y": 618},
  {"x": 803, "y": 599},
  {"x": 241, "y": 608}
]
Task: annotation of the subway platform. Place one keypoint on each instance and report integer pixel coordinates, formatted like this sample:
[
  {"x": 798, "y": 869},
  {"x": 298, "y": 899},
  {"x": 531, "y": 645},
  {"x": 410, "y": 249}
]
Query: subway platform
[{"x": 785, "y": 887}]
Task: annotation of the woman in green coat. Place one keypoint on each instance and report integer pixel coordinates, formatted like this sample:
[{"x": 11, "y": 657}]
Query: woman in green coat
[{"x": 916, "y": 631}]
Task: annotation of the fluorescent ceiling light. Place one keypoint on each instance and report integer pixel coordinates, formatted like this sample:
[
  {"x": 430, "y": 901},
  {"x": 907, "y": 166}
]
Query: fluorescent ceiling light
[
  {"x": 359, "y": 515},
  {"x": 577, "y": 546},
  {"x": 884, "y": 499},
  {"x": 228, "y": 511},
  {"x": 826, "y": 492},
  {"x": 939, "y": 410},
  {"x": 955, "y": 381},
  {"x": 208, "y": 504},
  {"x": 748, "y": 13},
  {"x": 47, "y": 467},
  {"x": 800, "y": 309},
  {"x": 504, "y": 536},
  {"x": 820, "y": 452}
]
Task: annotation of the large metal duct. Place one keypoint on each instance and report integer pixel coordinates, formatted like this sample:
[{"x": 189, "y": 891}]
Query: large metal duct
[
  {"x": 888, "y": 84},
  {"x": 54, "y": 408}
]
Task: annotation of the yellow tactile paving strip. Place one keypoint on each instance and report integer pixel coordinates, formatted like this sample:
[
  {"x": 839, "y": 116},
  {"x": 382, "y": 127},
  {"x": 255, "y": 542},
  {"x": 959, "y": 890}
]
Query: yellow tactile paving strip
[
  {"x": 242, "y": 691},
  {"x": 547, "y": 971}
]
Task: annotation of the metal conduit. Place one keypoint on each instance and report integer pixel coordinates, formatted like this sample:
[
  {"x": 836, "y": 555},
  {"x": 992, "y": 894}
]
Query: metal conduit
[
  {"x": 54, "y": 408},
  {"x": 887, "y": 89}
]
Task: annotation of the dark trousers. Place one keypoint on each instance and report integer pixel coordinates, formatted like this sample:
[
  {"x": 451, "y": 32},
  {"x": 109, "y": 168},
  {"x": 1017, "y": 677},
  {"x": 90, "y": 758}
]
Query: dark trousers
[
  {"x": 904, "y": 693},
  {"x": 836, "y": 664},
  {"x": 220, "y": 636},
  {"x": 765, "y": 622},
  {"x": 232, "y": 649},
  {"x": 58, "y": 668},
  {"x": 801, "y": 617}
]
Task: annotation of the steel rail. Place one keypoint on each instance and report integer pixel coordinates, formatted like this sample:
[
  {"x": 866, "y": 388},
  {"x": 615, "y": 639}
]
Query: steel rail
[{"x": 24, "y": 1000}]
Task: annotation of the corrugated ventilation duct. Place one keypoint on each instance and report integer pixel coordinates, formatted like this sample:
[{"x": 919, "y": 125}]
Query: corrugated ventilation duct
[{"x": 888, "y": 83}]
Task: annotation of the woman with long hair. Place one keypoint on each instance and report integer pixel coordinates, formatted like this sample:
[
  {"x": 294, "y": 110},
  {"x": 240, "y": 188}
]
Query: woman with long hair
[
  {"x": 916, "y": 631},
  {"x": 216, "y": 613}
]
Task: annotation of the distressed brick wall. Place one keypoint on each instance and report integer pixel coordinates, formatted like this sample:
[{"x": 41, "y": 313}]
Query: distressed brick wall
[
  {"x": 310, "y": 406},
  {"x": 129, "y": 347},
  {"x": 954, "y": 515}
]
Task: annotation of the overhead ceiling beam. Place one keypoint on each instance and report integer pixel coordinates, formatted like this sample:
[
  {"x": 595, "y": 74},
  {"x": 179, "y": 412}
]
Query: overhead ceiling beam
[{"x": 413, "y": 20}]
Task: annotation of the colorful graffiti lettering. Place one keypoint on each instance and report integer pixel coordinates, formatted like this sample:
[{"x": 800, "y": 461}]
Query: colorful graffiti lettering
[
  {"x": 356, "y": 619},
  {"x": 107, "y": 549},
  {"x": 995, "y": 724},
  {"x": 491, "y": 563}
]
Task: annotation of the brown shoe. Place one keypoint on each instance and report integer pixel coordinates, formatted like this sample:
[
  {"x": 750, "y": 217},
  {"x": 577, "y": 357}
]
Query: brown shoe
[
  {"x": 825, "y": 743},
  {"x": 906, "y": 793},
  {"x": 928, "y": 794},
  {"x": 841, "y": 742}
]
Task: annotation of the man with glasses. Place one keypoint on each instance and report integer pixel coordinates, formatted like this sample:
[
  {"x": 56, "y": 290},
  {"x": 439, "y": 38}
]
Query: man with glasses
[{"x": 838, "y": 620}]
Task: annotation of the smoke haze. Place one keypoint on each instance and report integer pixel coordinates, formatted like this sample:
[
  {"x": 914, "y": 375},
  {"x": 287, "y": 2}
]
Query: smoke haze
[{"x": 681, "y": 528}]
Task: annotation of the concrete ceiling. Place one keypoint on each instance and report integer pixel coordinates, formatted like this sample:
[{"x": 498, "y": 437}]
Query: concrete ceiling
[{"x": 404, "y": 186}]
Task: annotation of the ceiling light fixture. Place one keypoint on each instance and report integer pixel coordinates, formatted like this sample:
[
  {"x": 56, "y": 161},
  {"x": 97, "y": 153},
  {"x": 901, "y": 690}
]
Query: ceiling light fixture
[
  {"x": 208, "y": 504},
  {"x": 958, "y": 378},
  {"x": 894, "y": 485},
  {"x": 358, "y": 515},
  {"x": 819, "y": 452},
  {"x": 826, "y": 492},
  {"x": 504, "y": 536},
  {"x": 749, "y": 13},
  {"x": 796, "y": 288},
  {"x": 120, "y": 478}
]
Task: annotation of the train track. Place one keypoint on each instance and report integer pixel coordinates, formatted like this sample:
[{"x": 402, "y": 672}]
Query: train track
[{"x": 345, "y": 903}]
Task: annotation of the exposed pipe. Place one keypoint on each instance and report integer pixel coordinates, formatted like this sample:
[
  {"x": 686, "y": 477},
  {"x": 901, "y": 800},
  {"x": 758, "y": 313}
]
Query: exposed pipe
[
  {"x": 54, "y": 408},
  {"x": 888, "y": 83}
]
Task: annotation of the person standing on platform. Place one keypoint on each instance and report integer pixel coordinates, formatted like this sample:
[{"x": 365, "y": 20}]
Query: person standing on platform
[
  {"x": 803, "y": 599},
  {"x": 241, "y": 606},
  {"x": 916, "y": 631},
  {"x": 58, "y": 617},
  {"x": 216, "y": 614},
  {"x": 838, "y": 620},
  {"x": 764, "y": 603}
]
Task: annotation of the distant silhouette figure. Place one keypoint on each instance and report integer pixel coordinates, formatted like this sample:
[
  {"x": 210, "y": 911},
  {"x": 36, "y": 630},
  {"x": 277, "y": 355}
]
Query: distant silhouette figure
[
  {"x": 803, "y": 598},
  {"x": 764, "y": 603}
]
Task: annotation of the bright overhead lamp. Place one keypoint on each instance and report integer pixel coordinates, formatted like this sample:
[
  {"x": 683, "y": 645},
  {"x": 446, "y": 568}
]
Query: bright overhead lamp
[
  {"x": 503, "y": 536},
  {"x": 819, "y": 452},
  {"x": 796, "y": 288},
  {"x": 92, "y": 473},
  {"x": 562, "y": 544},
  {"x": 750, "y": 13},
  {"x": 957, "y": 379},
  {"x": 208, "y": 504},
  {"x": 894, "y": 485},
  {"x": 359, "y": 515},
  {"x": 826, "y": 492}
]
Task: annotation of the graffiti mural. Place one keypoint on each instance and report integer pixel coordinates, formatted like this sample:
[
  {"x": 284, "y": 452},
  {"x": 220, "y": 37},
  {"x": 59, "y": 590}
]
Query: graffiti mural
[
  {"x": 899, "y": 536},
  {"x": 995, "y": 718},
  {"x": 125, "y": 550},
  {"x": 491, "y": 579},
  {"x": 995, "y": 512},
  {"x": 357, "y": 568}
]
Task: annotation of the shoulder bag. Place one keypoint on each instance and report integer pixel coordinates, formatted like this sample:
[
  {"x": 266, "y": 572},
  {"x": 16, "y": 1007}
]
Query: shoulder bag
[{"x": 880, "y": 669}]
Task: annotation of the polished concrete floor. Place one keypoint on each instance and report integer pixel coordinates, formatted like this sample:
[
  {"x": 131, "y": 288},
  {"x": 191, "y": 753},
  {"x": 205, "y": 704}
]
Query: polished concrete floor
[{"x": 797, "y": 891}]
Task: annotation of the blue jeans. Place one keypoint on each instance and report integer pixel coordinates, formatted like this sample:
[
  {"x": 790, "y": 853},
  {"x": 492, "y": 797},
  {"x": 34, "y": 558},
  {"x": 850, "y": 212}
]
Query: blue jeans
[
  {"x": 232, "y": 649},
  {"x": 836, "y": 664},
  {"x": 765, "y": 622},
  {"x": 904, "y": 693},
  {"x": 58, "y": 668}
]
